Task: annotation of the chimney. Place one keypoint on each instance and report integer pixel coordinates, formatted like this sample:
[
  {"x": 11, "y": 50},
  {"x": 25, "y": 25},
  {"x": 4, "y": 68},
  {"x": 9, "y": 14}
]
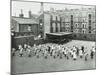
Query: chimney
[
  {"x": 41, "y": 9},
  {"x": 30, "y": 14},
  {"x": 21, "y": 15}
]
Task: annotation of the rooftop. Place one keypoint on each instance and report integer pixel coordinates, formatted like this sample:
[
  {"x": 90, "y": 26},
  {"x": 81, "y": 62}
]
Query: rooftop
[
  {"x": 24, "y": 20},
  {"x": 59, "y": 33}
]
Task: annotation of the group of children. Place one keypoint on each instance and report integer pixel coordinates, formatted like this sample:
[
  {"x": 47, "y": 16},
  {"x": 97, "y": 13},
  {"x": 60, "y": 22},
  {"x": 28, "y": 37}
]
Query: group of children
[{"x": 55, "y": 51}]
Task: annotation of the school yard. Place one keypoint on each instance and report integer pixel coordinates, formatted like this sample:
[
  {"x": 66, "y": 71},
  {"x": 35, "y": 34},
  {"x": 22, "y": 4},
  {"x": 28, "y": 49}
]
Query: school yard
[{"x": 34, "y": 65}]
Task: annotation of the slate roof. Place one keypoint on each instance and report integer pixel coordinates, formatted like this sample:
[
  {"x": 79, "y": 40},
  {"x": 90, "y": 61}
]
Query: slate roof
[{"x": 25, "y": 20}]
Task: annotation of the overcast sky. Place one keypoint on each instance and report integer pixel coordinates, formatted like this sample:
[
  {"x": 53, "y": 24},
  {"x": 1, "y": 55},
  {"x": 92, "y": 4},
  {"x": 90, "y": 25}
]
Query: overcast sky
[
  {"x": 25, "y": 6},
  {"x": 35, "y": 7}
]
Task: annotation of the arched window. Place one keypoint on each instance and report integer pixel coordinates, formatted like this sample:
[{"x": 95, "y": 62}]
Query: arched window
[
  {"x": 83, "y": 25},
  {"x": 76, "y": 25}
]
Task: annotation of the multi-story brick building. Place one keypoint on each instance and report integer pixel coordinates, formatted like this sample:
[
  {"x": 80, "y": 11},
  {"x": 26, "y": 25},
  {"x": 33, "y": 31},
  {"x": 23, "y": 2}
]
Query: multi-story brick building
[{"x": 78, "y": 21}]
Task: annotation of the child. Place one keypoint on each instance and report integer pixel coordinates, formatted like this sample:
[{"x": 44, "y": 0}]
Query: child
[
  {"x": 25, "y": 47},
  {"x": 13, "y": 51},
  {"x": 20, "y": 50},
  {"x": 74, "y": 55},
  {"x": 29, "y": 51},
  {"x": 80, "y": 53}
]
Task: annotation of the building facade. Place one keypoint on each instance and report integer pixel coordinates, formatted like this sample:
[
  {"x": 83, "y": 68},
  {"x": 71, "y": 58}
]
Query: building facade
[
  {"x": 78, "y": 21},
  {"x": 24, "y": 30},
  {"x": 24, "y": 25}
]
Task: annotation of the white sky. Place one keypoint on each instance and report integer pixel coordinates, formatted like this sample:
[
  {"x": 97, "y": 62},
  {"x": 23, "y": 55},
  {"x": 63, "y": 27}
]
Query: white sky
[
  {"x": 25, "y": 6},
  {"x": 35, "y": 7},
  {"x": 47, "y": 6}
]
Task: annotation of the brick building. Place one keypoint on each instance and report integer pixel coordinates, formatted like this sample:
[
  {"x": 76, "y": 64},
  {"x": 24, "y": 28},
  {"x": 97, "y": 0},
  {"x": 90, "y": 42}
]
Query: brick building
[
  {"x": 78, "y": 21},
  {"x": 24, "y": 30},
  {"x": 24, "y": 25}
]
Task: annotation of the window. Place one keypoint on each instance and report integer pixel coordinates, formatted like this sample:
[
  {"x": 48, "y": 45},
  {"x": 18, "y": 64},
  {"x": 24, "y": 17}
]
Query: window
[
  {"x": 29, "y": 28},
  {"x": 83, "y": 25},
  {"x": 56, "y": 18},
  {"x": 56, "y": 28},
  {"x": 84, "y": 19},
  {"x": 76, "y": 25},
  {"x": 89, "y": 22},
  {"x": 83, "y": 31},
  {"x": 71, "y": 19},
  {"x": 71, "y": 16},
  {"x": 89, "y": 16},
  {"x": 51, "y": 18},
  {"x": 89, "y": 31},
  {"x": 89, "y": 27}
]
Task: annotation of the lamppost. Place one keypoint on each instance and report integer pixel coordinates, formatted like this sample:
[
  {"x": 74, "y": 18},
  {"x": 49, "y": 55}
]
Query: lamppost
[
  {"x": 12, "y": 40},
  {"x": 41, "y": 28}
]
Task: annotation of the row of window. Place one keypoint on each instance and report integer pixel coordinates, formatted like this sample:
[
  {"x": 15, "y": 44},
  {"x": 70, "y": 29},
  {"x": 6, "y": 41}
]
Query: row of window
[
  {"x": 67, "y": 30},
  {"x": 58, "y": 17},
  {"x": 78, "y": 31},
  {"x": 83, "y": 31},
  {"x": 82, "y": 26},
  {"x": 77, "y": 25},
  {"x": 55, "y": 18}
]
